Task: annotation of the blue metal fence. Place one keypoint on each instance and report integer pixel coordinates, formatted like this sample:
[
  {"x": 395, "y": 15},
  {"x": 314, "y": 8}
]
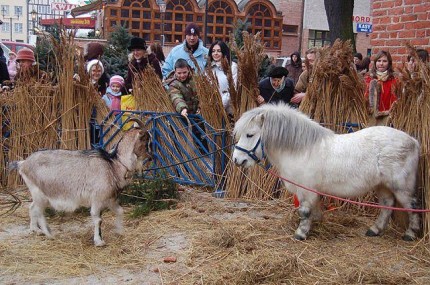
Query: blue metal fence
[{"x": 185, "y": 151}]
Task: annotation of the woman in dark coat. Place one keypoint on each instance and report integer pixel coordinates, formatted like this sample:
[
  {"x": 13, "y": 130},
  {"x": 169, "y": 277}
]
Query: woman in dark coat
[
  {"x": 295, "y": 67},
  {"x": 4, "y": 73},
  {"x": 141, "y": 60}
]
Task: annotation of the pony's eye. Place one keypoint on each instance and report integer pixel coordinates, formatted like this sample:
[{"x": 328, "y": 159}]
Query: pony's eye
[{"x": 249, "y": 136}]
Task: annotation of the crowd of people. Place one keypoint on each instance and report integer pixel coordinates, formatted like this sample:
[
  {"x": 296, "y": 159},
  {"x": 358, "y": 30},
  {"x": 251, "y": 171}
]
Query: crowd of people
[{"x": 283, "y": 84}]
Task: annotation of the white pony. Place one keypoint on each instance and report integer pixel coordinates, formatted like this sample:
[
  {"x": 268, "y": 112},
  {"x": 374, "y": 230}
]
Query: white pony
[{"x": 381, "y": 159}]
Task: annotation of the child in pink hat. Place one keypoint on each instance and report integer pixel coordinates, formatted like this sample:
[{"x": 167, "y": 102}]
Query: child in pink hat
[{"x": 113, "y": 94}]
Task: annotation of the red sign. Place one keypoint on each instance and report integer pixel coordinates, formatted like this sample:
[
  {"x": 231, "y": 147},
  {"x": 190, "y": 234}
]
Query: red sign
[
  {"x": 58, "y": 6},
  {"x": 73, "y": 23}
]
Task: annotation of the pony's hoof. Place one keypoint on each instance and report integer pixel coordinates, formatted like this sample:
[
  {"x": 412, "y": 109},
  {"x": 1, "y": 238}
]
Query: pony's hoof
[
  {"x": 299, "y": 237},
  {"x": 99, "y": 243},
  {"x": 408, "y": 238},
  {"x": 371, "y": 233}
]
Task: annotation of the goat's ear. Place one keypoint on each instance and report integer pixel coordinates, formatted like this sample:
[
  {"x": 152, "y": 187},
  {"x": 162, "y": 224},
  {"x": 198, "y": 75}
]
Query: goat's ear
[{"x": 259, "y": 119}]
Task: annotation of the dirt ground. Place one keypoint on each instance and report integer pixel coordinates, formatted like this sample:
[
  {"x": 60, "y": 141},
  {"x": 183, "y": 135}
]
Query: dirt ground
[{"x": 214, "y": 241}]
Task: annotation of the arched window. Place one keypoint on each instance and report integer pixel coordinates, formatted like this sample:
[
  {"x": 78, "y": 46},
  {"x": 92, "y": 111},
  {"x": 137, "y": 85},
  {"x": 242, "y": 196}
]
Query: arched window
[
  {"x": 138, "y": 17},
  {"x": 220, "y": 21},
  {"x": 262, "y": 20},
  {"x": 178, "y": 14}
]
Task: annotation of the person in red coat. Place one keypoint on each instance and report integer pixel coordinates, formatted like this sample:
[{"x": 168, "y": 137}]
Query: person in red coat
[{"x": 380, "y": 87}]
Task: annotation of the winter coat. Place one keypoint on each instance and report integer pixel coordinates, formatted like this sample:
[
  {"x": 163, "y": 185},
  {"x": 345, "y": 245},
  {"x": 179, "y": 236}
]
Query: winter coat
[
  {"x": 295, "y": 69},
  {"x": 138, "y": 67},
  {"x": 380, "y": 94},
  {"x": 11, "y": 68},
  {"x": 184, "y": 95},
  {"x": 223, "y": 86},
  {"x": 182, "y": 51},
  {"x": 4, "y": 74}
]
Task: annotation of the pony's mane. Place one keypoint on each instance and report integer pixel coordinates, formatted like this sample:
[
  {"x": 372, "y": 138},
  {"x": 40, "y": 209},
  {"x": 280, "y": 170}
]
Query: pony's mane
[{"x": 283, "y": 126}]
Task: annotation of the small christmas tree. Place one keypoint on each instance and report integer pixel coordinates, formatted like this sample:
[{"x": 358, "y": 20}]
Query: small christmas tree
[{"x": 115, "y": 58}]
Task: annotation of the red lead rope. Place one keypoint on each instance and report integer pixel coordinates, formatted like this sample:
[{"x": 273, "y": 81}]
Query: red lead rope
[{"x": 347, "y": 200}]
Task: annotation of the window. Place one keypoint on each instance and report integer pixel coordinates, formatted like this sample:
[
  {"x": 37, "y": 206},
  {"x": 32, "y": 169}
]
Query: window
[
  {"x": 18, "y": 28},
  {"x": 318, "y": 38},
  {"x": 178, "y": 14},
  {"x": 219, "y": 21},
  {"x": 262, "y": 20},
  {"x": 18, "y": 11},
  {"x": 290, "y": 29},
  {"x": 5, "y": 10},
  {"x": 138, "y": 17},
  {"x": 5, "y": 27}
]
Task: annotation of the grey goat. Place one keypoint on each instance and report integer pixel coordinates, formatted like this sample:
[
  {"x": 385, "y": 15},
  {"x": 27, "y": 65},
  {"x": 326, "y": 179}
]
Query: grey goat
[{"x": 66, "y": 179}]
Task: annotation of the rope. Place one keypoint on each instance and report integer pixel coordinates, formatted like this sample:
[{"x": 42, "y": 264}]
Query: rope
[{"x": 373, "y": 205}]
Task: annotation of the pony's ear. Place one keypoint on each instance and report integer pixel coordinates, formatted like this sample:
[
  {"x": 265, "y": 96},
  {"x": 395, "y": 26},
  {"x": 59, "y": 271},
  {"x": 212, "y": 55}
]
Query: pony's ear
[{"x": 259, "y": 119}]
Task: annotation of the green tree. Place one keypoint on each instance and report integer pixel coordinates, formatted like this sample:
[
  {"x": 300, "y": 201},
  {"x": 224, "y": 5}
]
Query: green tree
[
  {"x": 239, "y": 27},
  {"x": 339, "y": 16},
  {"x": 44, "y": 52},
  {"x": 115, "y": 58}
]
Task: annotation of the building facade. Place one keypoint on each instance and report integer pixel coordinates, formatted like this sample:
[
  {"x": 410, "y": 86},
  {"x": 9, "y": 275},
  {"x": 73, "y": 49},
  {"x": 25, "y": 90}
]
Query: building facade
[
  {"x": 316, "y": 30},
  {"x": 285, "y": 25},
  {"x": 20, "y": 17},
  {"x": 14, "y": 15},
  {"x": 399, "y": 22}
]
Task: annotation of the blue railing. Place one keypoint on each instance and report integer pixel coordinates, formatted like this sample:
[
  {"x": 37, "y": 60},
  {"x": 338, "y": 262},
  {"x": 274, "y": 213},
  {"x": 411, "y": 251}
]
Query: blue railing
[{"x": 187, "y": 154}]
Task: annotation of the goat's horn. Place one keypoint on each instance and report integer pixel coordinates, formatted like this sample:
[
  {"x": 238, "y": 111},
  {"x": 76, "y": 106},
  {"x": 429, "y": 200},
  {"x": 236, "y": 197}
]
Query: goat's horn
[{"x": 139, "y": 122}]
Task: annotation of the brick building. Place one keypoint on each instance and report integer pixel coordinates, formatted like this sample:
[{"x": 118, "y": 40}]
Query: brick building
[
  {"x": 396, "y": 22},
  {"x": 315, "y": 25}
]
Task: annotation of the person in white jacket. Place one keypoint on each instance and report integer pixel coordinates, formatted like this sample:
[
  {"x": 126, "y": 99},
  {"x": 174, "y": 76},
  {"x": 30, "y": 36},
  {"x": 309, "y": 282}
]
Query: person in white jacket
[{"x": 217, "y": 53}]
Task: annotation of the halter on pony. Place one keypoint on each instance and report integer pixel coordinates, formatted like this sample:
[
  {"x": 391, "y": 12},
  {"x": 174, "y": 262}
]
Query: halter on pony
[{"x": 251, "y": 153}]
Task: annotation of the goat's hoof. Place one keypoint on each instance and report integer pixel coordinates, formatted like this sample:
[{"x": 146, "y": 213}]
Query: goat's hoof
[
  {"x": 371, "y": 233},
  {"x": 408, "y": 238}
]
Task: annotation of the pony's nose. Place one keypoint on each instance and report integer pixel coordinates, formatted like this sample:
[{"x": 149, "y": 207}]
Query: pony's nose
[{"x": 241, "y": 163}]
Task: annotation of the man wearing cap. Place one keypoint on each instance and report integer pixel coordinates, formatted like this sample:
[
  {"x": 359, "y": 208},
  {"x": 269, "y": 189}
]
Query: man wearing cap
[
  {"x": 140, "y": 61},
  {"x": 192, "y": 47},
  {"x": 277, "y": 87}
]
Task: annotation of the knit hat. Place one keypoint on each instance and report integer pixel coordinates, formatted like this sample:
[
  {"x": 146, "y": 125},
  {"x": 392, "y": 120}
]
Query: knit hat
[
  {"x": 93, "y": 51},
  {"x": 278, "y": 72},
  {"x": 116, "y": 79},
  {"x": 94, "y": 62},
  {"x": 137, "y": 43},
  {"x": 192, "y": 29},
  {"x": 25, "y": 54}
]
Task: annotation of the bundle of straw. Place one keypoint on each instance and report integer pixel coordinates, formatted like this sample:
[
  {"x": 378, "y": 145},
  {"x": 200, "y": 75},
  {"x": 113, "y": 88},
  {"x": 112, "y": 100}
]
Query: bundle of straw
[
  {"x": 254, "y": 183},
  {"x": 335, "y": 94},
  {"x": 149, "y": 92},
  {"x": 410, "y": 113},
  {"x": 50, "y": 115}
]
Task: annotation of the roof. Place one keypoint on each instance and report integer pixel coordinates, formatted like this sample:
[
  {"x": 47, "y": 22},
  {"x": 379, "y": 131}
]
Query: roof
[{"x": 96, "y": 5}]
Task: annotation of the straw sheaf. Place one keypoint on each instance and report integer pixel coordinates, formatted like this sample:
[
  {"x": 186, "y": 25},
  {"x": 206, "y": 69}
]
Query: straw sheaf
[
  {"x": 39, "y": 110},
  {"x": 335, "y": 94},
  {"x": 410, "y": 113},
  {"x": 253, "y": 183}
]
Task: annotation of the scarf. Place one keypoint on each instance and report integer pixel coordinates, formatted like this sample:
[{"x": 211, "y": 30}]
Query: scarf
[
  {"x": 282, "y": 86},
  {"x": 115, "y": 99},
  {"x": 383, "y": 76}
]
